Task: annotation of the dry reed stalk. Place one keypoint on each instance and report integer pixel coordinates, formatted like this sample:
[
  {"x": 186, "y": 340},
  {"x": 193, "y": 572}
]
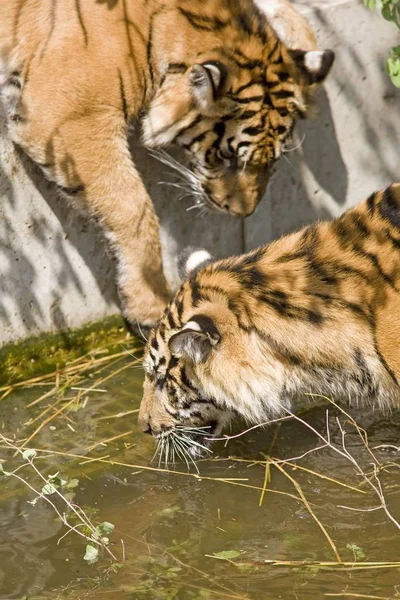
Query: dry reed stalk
[
  {"x": 289, "y": 464},
  {"x": 47, "y": 421},
  {"x": 267, "y": 479},
  {"x": 67, "y": 370},
  {"x": 308, "y": 507},
  {"x": 231, "y": 481},
  {"x": 351, "y": 595},
  {"x": 105, "y": 442}
]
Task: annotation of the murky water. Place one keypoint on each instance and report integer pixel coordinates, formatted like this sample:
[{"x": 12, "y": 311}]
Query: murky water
[{"x": 188, "y": 536}]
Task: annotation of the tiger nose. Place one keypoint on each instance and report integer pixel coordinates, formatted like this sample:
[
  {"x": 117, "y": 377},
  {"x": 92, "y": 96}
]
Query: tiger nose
[
  {"x": 239, "y": 206},
  {"x": 144, "y": 425}
]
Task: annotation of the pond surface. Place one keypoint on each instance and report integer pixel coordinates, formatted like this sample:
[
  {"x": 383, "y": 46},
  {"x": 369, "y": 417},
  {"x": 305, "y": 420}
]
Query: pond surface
[{"x": 185, "y": 535}]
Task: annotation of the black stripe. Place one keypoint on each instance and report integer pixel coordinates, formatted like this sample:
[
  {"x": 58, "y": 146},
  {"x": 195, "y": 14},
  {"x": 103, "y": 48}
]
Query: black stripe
[
  {"x": 203, "y": 23},
  {"x": 179, "y": 308},
  {"x": 383, "y": 361},
  {"x": 366, "y": 378},
  {"x": 248, "y": 114},
  {"x": 360, "y": 225},
  {"x": 71, "y": 191},
  {"x": 123, "y": 96},
  {"x": 253, "y": 130},
  {"x": 80, "y": 19},
  {"x": 149, "y": 48},
  {"x": 282, "y": 94},
  {"x": 248, "y": 100},
  {"x": 177, "y": 68},
  {"x": 347, "y": 237},
  {"x": 186, "y": 382},
  {"x": 193, "y": 123},
  {"x": 207, "y": 325},
  {"x": 285, "y": 309},
  {"x": 394, "y": 241},
  {"x": 282, "y": 111},
  {"x": 196, "y": 294},
  {"x": 170, "y": 319},
  {"x": 371, "y": 203},
  {"x": 389, "y": 208}
]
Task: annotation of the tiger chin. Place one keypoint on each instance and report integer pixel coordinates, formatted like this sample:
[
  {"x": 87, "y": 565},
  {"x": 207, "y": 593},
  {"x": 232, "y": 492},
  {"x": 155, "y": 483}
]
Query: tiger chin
[{"x": 317, "y": 311}]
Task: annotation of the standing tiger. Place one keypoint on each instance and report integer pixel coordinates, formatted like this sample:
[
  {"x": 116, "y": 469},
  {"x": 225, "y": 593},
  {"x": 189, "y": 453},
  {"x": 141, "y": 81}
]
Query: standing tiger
[
  {"x": 315, "y": 311},
  {"x": 224, "y": 79}
]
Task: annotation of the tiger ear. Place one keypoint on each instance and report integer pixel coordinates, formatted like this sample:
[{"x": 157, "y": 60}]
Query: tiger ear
[
  {"x": 195, "y": 340},
  {"x": 207, "y": 80},
  {"x": 191, "y": 260},
  {"x": 313, "y": 65}
]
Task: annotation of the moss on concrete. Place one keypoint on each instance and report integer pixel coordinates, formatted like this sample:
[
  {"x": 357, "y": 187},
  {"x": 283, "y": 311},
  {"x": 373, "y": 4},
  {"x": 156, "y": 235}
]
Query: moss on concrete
[{"x": 42, "y": 354}]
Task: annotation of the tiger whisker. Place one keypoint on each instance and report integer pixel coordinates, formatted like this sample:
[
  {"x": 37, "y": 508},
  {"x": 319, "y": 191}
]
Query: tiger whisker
[
  {"x": 161, "y": 452},
  {"x": 156, "y": 450},
  {"x": 300, "y": 143},
  {"x": 184, "y": 445},
  {"x": 197, "y": 205},
  {"x": 166, "y": 159},
  {"x": 141, "y": 332},
  {"x": 130, "y": 354},
  {"x": 188, "y": 428},
  {"x": 181, "y": 452},
  {"x": 166, "y": 461},
  {"x": 191, "y": 442},
  {"x": 174, "y": 184}
]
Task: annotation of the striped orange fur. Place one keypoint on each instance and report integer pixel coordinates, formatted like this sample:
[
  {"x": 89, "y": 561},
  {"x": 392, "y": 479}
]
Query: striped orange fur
[{"x": 315, "y": 311}]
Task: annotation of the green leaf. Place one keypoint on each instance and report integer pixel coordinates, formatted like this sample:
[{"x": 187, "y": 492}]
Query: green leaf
[
  {"x": 105, "y": 528},
  {"x": 226, "y": 554},
  {"x": 370, "y": 4},
  {"x": 72, "y": 483},
  {"x": 91, "y": 554},
  {"x": 358, "y": 552},
  {"x": 48, "y": 489},
  {"x": 28, "y": 454},
  {"x": 393, "y": 69}
]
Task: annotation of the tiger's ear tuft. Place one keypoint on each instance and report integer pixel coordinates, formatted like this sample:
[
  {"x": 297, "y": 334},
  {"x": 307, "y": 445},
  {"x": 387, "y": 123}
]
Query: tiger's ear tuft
[
  {"x": 191, "y": 260},
  {"x": 207, "y": 80},
  {"x": 313, "y": 65},
  {"x": 196, "y": 339}
]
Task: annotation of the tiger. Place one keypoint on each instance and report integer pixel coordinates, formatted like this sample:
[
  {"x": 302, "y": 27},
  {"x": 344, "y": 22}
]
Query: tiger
[
  {"x": 222, "y": 79},
  {"x": 313, "y": 312}
]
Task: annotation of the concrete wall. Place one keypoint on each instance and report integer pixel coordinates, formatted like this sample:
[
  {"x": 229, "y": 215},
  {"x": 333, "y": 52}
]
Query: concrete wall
[{"x": 54, "y": 271}]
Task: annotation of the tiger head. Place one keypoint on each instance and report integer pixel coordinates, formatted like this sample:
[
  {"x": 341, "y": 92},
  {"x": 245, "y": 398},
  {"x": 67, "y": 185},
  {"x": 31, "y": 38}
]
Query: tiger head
[
  {"x": 232, "y": 109},
  {"x": 194, "y": 383}
]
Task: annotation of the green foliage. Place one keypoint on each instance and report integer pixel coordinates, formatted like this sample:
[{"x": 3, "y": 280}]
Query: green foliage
[
  {"x": 91, "y": 554},
  {"x": 393, "y": 65},
  {"x": 226, "y": 554},
  {"x": 390, "y": 11},
  {"x": 358, "y": 552}
]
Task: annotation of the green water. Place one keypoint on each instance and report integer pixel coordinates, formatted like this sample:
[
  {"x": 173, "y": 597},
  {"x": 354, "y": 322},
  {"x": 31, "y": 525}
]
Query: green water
[{"x": 172, "y": 525}]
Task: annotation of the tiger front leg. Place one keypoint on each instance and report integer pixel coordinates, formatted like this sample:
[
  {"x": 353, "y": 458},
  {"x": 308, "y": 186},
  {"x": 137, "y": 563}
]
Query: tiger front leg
[{"x": 88, "y": 157}]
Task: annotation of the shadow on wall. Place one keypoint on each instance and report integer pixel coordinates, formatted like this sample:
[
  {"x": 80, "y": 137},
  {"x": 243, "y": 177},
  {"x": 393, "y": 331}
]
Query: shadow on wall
[
  {"x": 351, "y": 146},
  {"x": 36, "y": 237},
  {"x": 182, "y": 223}
]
